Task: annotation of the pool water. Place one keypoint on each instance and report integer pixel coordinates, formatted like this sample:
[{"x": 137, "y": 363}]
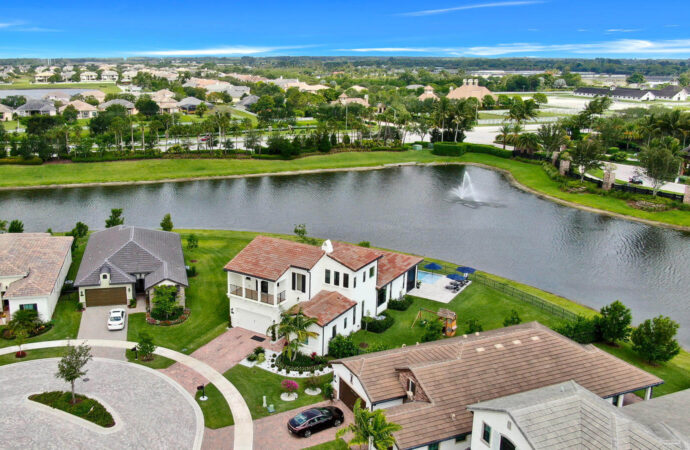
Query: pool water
[{"x": 428, "y": 277}]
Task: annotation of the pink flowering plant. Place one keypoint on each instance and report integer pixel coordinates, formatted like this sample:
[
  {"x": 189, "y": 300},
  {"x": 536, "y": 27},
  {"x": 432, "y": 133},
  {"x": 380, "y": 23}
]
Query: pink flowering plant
[{"x": 289, "y": 386}]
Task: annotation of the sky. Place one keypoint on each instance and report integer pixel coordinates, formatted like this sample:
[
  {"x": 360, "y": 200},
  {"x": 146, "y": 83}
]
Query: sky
[{"x": 464, "y": 28}]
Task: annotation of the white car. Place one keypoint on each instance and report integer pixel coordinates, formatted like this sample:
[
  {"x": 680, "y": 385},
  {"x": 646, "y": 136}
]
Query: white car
[{"x": 117, "y": 319}]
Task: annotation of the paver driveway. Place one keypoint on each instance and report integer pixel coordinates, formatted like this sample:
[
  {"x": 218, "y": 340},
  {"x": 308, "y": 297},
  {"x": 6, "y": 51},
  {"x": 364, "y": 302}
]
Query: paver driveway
[
  {"x": 132, "y": 393},
  {"x": 94, "y": 326}
]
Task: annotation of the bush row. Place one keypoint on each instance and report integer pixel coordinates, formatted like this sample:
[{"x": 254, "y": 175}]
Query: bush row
[
  {"x": 460, "y": 148},
  {"x": 17, "y": 160},
  {"x": 400, "y": 305},
  {"x": 377, "y": 326}
]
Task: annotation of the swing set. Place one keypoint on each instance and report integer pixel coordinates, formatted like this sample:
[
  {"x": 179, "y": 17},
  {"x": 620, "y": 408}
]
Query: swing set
[{"x": 448, "y": 317}]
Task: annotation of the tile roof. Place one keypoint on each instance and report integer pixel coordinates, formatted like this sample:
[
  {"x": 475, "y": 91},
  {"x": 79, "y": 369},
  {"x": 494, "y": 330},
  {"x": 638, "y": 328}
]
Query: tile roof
[
  {"x": 392, "y": 265},
  {"x": 325, "y": 306},
  {"x": 566, "y": 415},
  {"x": 125, "y": 251},
  {"x": 354, "y": 257},
  {"x": 269, "y": 258},
  {"x": 460, "y": 371},
  {"x": 37, "y": 257},
  {"x": 667, "y": 415}
]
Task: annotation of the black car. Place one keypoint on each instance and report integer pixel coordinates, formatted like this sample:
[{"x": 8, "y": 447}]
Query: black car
[{"x": 315, "y": 419}]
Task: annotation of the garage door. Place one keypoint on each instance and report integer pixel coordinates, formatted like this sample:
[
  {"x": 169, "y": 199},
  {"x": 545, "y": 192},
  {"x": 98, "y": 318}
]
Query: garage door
[
  {"x": 348, "y": 395},
  {"x": 109, "y": 296}
]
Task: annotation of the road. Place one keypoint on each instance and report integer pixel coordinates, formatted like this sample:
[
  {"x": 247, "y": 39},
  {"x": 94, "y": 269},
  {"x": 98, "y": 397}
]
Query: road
[{"x": 625, "y": 172}]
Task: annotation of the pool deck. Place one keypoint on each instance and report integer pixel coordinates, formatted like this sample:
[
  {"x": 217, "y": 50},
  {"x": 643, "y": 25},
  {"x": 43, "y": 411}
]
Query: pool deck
[{"x": 437, "y": 291}]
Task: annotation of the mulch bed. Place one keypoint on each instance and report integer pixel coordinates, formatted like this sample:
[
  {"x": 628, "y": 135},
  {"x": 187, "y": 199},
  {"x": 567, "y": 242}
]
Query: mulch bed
[
  {"x": 165, "y": 323},
  {"x": 644, "y": 205}
]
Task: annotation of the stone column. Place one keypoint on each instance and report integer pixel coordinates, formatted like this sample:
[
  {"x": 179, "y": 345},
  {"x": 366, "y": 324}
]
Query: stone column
[
  {"x": 554, "y": 157},
  {"x": 564, "y": 166},
  {"x": 609, "y": 180},
  {"x": 686, "y": 196}
]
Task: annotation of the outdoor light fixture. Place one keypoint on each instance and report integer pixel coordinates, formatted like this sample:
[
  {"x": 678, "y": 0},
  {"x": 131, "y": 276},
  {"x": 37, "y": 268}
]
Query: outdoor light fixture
[
  {"x": 202, "y": 389},
  {"x": 135, "y": 349}
]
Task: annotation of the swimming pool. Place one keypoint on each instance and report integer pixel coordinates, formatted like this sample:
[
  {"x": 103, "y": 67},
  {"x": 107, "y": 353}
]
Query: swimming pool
[{"x": 428, "y": 277}]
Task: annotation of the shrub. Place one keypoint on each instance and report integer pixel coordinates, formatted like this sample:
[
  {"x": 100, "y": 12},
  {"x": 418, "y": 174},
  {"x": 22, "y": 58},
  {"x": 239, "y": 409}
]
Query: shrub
[
  {"x": 312, "y": 382},
  {"x": 473, "y": 326},
  {"x": 327, "y": 389},
  {"x": 400, "y": 305},
  {"x": 512, "y": 319},
  {"x": 365, "y": 244},
  {"x": 342, "y": 347},
  {"x": 377, "y": 326},
  {"x": 459, "y": 149},
  {"x": 191, "y": 272},
  {"x": 301, "y": 361},
  {"x": 582, "y": 329},
  {"x": 378, "y": 347},
  {"x": 432, "y": 331},
  {"x": 654, "y": 339},
  {"x": 259, "y": 350},
  {"x": 251, "y": 357},
  {"x": 614, "y": 323},
  {"x": 289, "y": 386}
]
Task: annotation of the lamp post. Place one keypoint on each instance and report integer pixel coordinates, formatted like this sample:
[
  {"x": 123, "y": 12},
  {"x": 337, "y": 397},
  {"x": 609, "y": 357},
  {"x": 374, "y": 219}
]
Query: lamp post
[
  {"x": 135, "y": 349},
  {"x": 202, "y": 389}
]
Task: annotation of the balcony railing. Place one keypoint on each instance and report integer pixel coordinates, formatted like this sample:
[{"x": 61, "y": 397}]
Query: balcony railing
[
  {"x": 281, "y": 297},
  {"x": 250, "y": 294},
  {"x": 236, "y": 290},
  {"x": 267, "y": 298}
]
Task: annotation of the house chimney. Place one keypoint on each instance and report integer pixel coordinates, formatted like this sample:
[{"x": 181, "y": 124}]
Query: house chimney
[{"x": 327, "y": 246}]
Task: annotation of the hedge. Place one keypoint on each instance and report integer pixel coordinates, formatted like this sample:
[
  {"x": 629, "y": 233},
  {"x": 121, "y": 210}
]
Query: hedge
[
  {"x": 460, "y": 148},
  {"x": 114, "y": 156},
  {"x": 33, "y": 161},
  {"x": 400, "y": 305},
  {"x": 377, "y": 326}
]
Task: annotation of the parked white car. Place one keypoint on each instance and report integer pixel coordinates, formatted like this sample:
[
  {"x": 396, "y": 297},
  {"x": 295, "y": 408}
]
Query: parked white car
[{"x": 117, "y": 319}]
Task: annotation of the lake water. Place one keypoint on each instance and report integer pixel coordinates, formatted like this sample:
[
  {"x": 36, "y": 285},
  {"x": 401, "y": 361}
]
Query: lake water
[
  {"x": 39, "y": 93},
  {"x": 583, "y": 256}
]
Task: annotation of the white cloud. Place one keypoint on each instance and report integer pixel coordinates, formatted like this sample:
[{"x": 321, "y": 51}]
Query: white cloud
[
  {"x": 621, "y": 46},
  {"x": 623, "y": 30},
  {"x": 429, "y": 12},
  {"x": 388, "y": 49},
  {"x": 219, "y": 51},
  {"x": 21, "y": 26}
]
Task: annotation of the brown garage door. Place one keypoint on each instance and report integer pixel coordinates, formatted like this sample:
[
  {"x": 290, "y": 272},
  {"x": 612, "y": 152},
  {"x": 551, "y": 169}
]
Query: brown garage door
[
  {"x": 348, "y": 395},
  {"x": 108, "y": 296}
]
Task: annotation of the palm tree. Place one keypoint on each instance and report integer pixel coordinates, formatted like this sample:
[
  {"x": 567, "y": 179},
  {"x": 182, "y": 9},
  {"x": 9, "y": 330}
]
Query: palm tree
[
  {"x": 528, "y": 142},
  {"x": 552, "y": 137},
  {"x": 370, "y": 428},
  {"x": 294, "y": 327},
  {"x": 505, "y": 131}
]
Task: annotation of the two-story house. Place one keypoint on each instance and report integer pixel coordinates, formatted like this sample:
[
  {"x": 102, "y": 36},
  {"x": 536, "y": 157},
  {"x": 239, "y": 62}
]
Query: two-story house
[{"x": 337, "y": 284}]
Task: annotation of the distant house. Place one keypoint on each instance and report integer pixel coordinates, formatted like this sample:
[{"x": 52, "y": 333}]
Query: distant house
[
  {"x": 124, "y": 261},
  {"x": 127, "y": 76},
  {"x": 344, "y": 99},
  {"x": 34, "y": 107},
  {"x": 98, "y": 95},
  {"x": 190, "y": 104},
  {"x": 109, "y": 75},
  {"x": 427, "y": 94},
  {"x": 429, "y": 388},
  {"x": 33, "y": 268},
  {"x": 566, "y": 415},
  {"x": 668, "y": 93},
  {"x": 42, "y": 77},
  {"x": 414, "y": 87},
  {"x": 129, "y": 106},
  {"x": 248, "y": 101},
  {"x": 236, "y": 92},
  {"x": 84, "y": 110},
  {"x": 163, "y": 95},
  {"x": 88, "y": 76},
  {"x": 469, "y": 88},
  {"x": 337, "y": 284},
  {"x": 313, "y": 88},
  {"x": 67, "y": 75},
  {"x": 167, "y": 106},
  {"x": 57, "y": 96},
  {"x": 5, "y": 113}
]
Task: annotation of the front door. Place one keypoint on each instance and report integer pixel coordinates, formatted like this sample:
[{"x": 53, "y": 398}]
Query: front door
[{"x": 411, "y": 281}]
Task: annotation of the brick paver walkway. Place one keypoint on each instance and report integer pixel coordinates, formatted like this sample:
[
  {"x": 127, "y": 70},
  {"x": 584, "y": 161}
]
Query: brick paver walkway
[
  {"x": 222, "y": 353},
  {"x": 271, "y": 432}
]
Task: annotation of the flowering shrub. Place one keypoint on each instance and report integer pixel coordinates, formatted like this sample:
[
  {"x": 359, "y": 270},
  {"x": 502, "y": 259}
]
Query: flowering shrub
[{"x": 289, "y": 386}]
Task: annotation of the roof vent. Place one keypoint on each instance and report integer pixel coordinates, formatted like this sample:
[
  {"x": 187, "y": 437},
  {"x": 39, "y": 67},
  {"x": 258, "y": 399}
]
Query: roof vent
[
  {"x": 480, "y": 349},
  {"x": 517, "y": 342},
  {"x": 452, "y": 416},
  {"x": 327, "y": 246},
  {"x": 499, "y": 346},
  {"x": 535, "y": 338}
]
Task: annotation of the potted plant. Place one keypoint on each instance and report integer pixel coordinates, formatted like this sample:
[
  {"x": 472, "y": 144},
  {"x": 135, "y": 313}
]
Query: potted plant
[{"x": 290, "y": 387}]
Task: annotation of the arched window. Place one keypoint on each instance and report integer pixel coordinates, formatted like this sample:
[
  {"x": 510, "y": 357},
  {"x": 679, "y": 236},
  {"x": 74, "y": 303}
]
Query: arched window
[{"x": 506, "y": 444}]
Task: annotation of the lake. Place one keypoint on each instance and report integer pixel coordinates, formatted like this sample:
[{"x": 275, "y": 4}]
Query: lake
[{"x": 494, "y": 227}]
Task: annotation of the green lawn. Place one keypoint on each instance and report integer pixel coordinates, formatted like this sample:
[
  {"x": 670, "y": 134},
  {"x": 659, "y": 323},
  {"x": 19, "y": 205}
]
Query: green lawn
[
  {"x": 530, "y": 175},
  {"x": 253, "y": 383},
  {"x": 108, "y": 88},
  {"x": 158, "y": 362},
  {"x": 338, "y": 444},
  {"x": 216, "y": 411},
  {"x": 87, "y": 408},
  {"x": 39, "y": 353},
  {"x": 66, "y": 320}
]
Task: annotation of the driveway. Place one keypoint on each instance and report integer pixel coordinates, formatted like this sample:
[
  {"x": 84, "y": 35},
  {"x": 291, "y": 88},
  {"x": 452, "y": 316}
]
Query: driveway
[
  {"x": 94, "y": 326},
  {"x": 625, "y": 172},
  {"x": 271, "y": 432}
]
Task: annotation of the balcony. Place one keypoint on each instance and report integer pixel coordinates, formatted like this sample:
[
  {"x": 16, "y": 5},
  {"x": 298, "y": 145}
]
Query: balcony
[
  {"x": 267, "y": 298},
  {"x": 236, "y": 290},
  {"x": 281, "y": 297},
  {"x": 250, "y": 294}
]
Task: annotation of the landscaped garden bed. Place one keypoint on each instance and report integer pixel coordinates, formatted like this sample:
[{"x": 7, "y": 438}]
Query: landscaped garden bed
[
  {"x": 84, "y": 407},
  {"x": 185, "y": 313}
]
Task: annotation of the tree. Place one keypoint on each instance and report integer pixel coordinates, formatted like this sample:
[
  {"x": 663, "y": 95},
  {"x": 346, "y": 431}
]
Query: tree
[
  {"x": 201, "y": 109},
  {"x": 23, "y": 322},
  {"x": 301, "y": 231},
  {"x": 370, "y": 428},
  {"x": 294, "y": 328},
  {"x": 115, "y": 218},
  {"x": 505, "y": 131},
  {"x": 432, "y": 331},
  {"x": 146, "y": 106},
  {"x": 145, "y": 346},
  {"x": 587, "y": 155},
  {"x": 3, "y": 225},
  {"x": 167, "y": 223},
  {"x": 16, "y": 226},
  {"x": 474, "y": 326},
  {"x": 192, "y": 241},
  {"x": 165, "y": 300},
  {"x": 635, "y": 78},
  {"x": 552, "y": 137},
  {"x": 342, "y": 347},
  {"x": 70, "y": 114},
  {"x": 80, "y": 230},
  {"x": 614, "y": 323},
  {"x": 71, "y": 365},
  {"x": 540, "y": 98},
  {"x": 659, "y": 162},
  {"x": 653, "y": 339},
  {"x": 512, "y": 319}
]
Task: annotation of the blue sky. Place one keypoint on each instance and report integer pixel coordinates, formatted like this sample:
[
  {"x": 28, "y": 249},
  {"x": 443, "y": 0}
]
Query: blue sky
[{"x": 485, "y": 28}]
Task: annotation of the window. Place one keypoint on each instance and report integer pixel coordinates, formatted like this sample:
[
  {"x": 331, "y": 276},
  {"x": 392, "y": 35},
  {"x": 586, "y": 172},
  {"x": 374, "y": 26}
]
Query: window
[
  {"x": 336, "y": 278},
  {"x": 433, "y": 446},
  {"x": 346, "y": 280},
  {"x": 354, "y": 314},
  {"x": 345, "y": 324},
  {"x": 354, "y": 281},
  {"x": 105, "y": 276},
  {"x": 29, "y": 306},
  {"x": 328, "y": 276},
  {"x": 486, "y": 433},
  {"x": 299, "y": 282},
  {"x": 264, "y": 287},
  {"x": 335, "y": 330},
  {"x": 506, "y": 444},
  {"x": 382, "y": 296},
  {"x": 371, "y": 272},
  {"x": 364, "y": 276}
]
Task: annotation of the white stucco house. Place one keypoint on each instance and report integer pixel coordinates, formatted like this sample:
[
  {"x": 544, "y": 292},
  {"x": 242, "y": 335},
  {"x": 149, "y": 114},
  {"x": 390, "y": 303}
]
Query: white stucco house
[
  {"x": 434, "y": 390},
  {"x": 122, "y": 262},
  {"x": 337, "y": 284},
  {"x": 33, "y": 268}
]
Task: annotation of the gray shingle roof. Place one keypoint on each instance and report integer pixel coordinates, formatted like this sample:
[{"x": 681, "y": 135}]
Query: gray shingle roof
[
  {"x": 248, "y": 100},
  {"x": 125, "y": 251},
  {"x": 118, "y": 101},
  {"x": 566, "y": 415},
  {"x": 37, "y": 105}
]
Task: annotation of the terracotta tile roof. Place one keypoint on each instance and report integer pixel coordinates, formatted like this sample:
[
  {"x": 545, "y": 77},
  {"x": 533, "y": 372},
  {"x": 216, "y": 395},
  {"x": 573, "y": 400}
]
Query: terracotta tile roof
[
  {"x": 325, "y": 306},
  {"x": 37, "y": 257},
  {"x": 392, "y": 265},
  {"x": 461, "y": 371},
  {"x": 353, "y": 257},
  {"x": 269, "y": 258}
]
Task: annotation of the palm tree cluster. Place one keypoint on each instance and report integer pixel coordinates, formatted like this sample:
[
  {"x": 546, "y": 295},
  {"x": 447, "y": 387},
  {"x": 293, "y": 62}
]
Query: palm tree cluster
[{"x": 294, "y": 327}]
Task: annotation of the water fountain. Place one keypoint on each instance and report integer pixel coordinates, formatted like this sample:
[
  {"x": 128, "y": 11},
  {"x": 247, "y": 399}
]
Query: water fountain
[{"x": 466, "y": 195}]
